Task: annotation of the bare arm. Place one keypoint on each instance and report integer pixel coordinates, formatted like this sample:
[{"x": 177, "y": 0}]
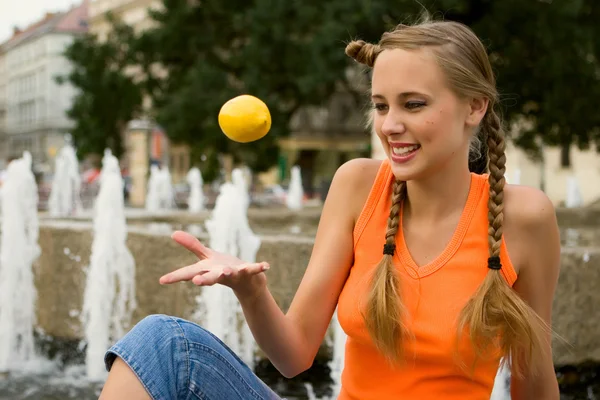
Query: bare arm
[
  {"x": 291, "y": 341},
  {"x": 533, "y": 223}
]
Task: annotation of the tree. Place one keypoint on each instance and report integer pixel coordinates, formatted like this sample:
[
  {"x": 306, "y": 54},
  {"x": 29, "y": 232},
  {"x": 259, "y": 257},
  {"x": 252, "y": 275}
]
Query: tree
[
  {"x": 107, "y": 97},
  {"x": 546, "y": 57},
  {"x": 288, "y": 53}
]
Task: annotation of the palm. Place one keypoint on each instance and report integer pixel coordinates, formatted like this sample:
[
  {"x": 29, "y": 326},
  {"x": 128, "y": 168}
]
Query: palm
[{"x": 214, "y": 267}]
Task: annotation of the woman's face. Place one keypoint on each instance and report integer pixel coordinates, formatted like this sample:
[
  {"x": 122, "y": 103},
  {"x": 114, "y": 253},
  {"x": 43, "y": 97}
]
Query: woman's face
[{"x": 422, "y": 124}]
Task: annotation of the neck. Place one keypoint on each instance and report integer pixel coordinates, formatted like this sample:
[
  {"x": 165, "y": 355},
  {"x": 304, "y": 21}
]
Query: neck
[{"x": 440, "y": 194}]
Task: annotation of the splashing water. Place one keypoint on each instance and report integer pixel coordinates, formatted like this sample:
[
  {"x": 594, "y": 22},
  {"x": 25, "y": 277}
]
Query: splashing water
[
  {"x": 18, "y": 251},
  {"x": 501, "y": 389},
  {"x": 167, "y": 194},
  {"x": 152, "y": 198},
  {"x": 337, "y": 361},
  {"x": 160, "y": 190},
  {"x": 230, "y": 233},
  {"x": 106, "y": 311},
  {"x": 66, "y": 186},
  {"x": 296, "y": 192},
  {"x": 574, "y": 198},
  {"x": 196, "y": 199}
]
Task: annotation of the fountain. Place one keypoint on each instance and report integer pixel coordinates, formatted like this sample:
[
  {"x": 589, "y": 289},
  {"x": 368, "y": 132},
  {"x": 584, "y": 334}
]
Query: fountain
[
  {"x": 160, "y": 190},
  {"x": 106, "y": 310},
  {"x": 18, "y": 251},
  {"x": 196, "y": 199},
  {"x": 167, "y": 194},
  {"x": 295, "y": 193},
  {"x": 230, "y": 233},
  {"x": 153, "y": 196},
  {"x": 238, "y": 178},
  {"x": 501, "y": 389},
  {"x": 574, "y": 198},
  {"x": 66, "y": 186},
  {"x": 337, "y": 361},
  {"x": 58, "y": 270}
]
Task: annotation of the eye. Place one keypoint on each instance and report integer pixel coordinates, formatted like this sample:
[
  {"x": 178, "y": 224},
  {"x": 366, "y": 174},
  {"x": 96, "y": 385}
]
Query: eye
[
  {"x": 413, "y": 105},
  {"x": 380, "y": 106}
]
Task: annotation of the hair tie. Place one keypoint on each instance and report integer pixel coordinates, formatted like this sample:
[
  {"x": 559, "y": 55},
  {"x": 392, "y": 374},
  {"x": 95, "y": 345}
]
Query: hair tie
[
  {"x": 494, "y": 263},
  {"x": 389, "y": 249}
]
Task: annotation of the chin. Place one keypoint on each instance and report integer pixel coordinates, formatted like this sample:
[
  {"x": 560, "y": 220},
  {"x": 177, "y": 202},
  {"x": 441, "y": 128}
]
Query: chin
[{"x": 405, "y": 172}]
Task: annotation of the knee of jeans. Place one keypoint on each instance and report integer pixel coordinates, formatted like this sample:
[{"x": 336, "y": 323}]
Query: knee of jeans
[
  {"x": 154, "y": 323},
  {"x": 154, "y": 340},
  {"x": 157, "y": 351}
]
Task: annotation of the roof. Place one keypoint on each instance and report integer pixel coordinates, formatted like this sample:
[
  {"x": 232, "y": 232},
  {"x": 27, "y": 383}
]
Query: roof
[{"x": 74, "y": 20}]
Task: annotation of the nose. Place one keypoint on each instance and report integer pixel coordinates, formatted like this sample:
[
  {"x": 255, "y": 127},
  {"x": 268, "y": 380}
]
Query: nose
[{"x": 392, "y": 124}]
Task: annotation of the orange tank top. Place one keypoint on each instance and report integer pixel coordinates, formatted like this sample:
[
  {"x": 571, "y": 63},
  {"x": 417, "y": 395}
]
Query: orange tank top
[{"x": 433, "y": 295}]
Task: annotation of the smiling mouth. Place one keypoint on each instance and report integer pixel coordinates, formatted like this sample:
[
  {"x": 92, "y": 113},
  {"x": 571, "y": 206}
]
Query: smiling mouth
[{"x": 405, "y": 150}]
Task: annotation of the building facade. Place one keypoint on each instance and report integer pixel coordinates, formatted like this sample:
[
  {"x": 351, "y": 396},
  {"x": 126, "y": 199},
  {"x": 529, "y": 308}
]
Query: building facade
[
  {"x": 36, "y": 105},
  {"x": 145, "y": 142},
  {"x": 132, "y": 12}
]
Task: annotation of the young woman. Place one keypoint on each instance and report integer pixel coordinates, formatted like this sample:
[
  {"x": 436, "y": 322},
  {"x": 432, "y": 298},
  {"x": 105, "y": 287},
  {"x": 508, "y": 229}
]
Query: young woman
[{"x": 438, "y": 273}]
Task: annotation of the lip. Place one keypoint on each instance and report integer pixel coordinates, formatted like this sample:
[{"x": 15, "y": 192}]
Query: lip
[
  {"x": 404, "y": 158},
  {"x": 398, "y": 145}
]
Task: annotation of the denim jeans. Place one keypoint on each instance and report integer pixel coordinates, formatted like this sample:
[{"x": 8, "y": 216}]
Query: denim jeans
[{"x": 178, "y": 360}]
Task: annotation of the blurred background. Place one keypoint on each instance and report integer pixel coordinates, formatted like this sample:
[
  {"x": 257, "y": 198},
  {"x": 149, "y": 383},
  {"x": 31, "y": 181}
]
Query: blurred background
[{"x": 130, "y": 90}]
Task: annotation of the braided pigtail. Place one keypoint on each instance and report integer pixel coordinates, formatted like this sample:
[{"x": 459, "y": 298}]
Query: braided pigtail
[
  {"x": 385, "y": 311},
  {"x": 496, "y": 314}
]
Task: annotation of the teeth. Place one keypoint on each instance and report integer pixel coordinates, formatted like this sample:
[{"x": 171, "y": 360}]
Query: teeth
[{"x": 404, "y": 150}]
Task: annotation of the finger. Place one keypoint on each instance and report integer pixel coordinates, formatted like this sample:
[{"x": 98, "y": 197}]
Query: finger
[
  {"x": 210, "y": 278},
  {"x": 184, "y": 274},
  {"x": 253, "y": 268},
  {"x": 191, "y": 243}
]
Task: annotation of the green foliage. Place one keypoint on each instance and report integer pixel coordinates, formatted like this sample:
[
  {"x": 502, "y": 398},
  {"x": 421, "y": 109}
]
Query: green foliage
[
  {"x": 107, "y": 98},
  {"x": 546, "y": 57},
  {"x": 290, "y": 53}
]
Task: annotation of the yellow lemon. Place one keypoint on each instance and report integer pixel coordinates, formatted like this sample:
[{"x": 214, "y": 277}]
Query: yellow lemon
[{"x": 245, "y": 119}]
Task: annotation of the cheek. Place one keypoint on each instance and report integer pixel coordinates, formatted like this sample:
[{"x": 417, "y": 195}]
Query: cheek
[
  {"x": 431, "y": 127},
  {"x": 439, "y": 126}
]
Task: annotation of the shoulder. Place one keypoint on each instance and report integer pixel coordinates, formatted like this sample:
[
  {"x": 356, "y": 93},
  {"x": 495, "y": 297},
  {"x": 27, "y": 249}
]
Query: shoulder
[
  {"x": 358, "y": 170},
  {"x": 528, "y": 208},
  {"x": 352, "y": 184},
  {"x": 530, "y": 227}
]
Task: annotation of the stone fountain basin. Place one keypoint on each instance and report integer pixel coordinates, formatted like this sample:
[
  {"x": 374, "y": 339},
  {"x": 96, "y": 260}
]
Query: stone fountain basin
[{"x": 61, "y": 270}]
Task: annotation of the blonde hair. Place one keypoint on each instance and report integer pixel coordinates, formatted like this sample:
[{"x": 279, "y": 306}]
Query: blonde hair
[{"x": 495, "y": 315}]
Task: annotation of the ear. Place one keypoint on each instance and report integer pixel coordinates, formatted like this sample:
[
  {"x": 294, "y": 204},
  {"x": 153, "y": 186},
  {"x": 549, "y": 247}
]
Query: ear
[{"x": 477, "y": 108}]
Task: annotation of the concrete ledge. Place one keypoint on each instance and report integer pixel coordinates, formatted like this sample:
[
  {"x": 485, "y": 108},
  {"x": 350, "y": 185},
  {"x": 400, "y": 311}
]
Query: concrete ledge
[{"x": 60, "y": 280}]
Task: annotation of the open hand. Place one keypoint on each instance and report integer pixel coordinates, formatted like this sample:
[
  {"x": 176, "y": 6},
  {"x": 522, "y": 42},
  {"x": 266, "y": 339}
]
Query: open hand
[{"x": 216, "y": 268}]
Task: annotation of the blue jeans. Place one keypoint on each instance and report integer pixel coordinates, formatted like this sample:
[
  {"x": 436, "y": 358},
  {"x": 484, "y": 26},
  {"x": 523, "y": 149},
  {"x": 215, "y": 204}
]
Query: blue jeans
[{"x": 177, "y": 359}]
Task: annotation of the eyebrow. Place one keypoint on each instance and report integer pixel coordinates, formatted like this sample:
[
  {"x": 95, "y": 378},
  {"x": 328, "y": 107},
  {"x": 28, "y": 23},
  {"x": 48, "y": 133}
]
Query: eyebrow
[{"x": 401, "y": 95}]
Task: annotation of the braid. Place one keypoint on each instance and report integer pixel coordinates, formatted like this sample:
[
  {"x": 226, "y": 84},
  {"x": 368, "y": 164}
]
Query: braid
[
  {"x": 385, "y": 311},
  {"x": 398, "y": 194},
  {"x": 496, "y": 313},
  {"x": 497, "y": 168}
]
